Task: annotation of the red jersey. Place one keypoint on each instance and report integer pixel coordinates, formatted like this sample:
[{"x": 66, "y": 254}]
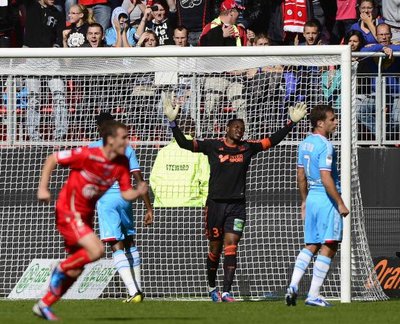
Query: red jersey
[{"x": 91, "y": 175}]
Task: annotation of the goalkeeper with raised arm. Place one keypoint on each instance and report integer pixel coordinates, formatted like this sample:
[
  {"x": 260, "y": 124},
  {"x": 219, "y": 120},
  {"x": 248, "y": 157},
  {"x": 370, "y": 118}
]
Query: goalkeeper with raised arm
[{"x": 225, "y": 209}]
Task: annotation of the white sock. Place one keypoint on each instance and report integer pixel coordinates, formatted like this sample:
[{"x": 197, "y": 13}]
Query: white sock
[
  {"x": 135, "y": 262},
  {"x": 124, "y": 269},
  {"x": 321, "y": 268},
  {"x": 300, "y": 266}
]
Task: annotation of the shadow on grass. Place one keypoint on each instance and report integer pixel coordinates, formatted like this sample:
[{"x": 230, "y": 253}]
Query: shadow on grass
[{"x": 148, "y": 318}]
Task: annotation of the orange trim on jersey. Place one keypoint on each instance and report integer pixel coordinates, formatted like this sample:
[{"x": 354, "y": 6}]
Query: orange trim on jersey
[
  {"x": 230, "y": 249},
  {"x": 229, "y": 145},
  {"x": 266, "y": 143},
  {"x": 213, "y": 257}
]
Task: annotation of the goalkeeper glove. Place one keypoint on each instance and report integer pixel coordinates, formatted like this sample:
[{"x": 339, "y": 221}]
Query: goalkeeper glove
[
  {"x": 169, "y": 110},
  {"x": 297, "y": 112}
]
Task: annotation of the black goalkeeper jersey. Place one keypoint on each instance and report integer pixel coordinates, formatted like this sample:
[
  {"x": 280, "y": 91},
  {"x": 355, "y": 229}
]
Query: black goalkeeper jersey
[{"x": 228, "y": 165}]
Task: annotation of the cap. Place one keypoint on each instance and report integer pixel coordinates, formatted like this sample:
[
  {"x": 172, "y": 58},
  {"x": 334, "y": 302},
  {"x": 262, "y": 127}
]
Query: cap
[
  {"x": 230, "y": 4},
  {"x": 103, "y": 116}
]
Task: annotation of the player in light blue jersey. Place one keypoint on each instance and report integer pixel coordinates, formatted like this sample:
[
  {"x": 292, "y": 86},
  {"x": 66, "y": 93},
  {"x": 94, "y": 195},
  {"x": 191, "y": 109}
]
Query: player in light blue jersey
[
  {"x": 117, "y": 226},
  {"x": 322, "y": 207}
]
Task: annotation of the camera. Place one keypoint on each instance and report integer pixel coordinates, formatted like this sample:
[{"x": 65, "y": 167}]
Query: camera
[{"x": 154, "y": 8}]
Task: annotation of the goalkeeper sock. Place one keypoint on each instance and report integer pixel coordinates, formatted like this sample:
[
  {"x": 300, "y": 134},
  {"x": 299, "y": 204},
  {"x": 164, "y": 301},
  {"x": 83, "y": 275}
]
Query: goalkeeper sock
[
  {"x": 302, "y": 262},
  {"x": 76, "y": 261},
  {"x": 212, "y": 267},
  {"x": 49, "y": 299},
  {"x": 230, "y": 262},
  {"x": 321, "y": 268}
]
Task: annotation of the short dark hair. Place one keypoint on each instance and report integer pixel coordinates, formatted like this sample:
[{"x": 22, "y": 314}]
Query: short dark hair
[
  {"x": 109, "y": 128},
  {"x": 355, "y": 33},
  {"x": 313, "y": 23},
  {"x": 319, "y": 113},
  {"x": 231, "y": 121},
  {"x": 181, "y": 28},
  {"x": 95, "y": 24},
  {"x": 102, "y": 117}
]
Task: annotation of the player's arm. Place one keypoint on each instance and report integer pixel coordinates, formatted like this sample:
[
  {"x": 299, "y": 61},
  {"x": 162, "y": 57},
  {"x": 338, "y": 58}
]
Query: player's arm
[
  {"x": 171, "y": 112},
  {"x": 303, "y": 189},
  {"x": 43, "y": 193},
  {"x": 132, "y": 194},
  {"x": 331, "y": 189},
  {"x": 296, "y": 113},
  {"x": 148, "y": 217}
]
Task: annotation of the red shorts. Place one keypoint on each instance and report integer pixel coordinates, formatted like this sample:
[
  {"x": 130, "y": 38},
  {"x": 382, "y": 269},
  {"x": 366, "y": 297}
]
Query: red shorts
[{"x": 72, "y": 228}]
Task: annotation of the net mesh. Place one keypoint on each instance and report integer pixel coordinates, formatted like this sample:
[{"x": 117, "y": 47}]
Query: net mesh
[{"x": 51, "y": 104}]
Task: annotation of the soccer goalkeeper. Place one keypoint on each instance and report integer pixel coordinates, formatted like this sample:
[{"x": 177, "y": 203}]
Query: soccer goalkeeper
[{"x": 229, "y": 160}]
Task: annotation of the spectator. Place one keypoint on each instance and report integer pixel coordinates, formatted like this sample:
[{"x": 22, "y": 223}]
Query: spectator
[
  {"x": 368, "y": 21},
  {"x": 346, "y": 17},
  {"x": 261, "y": 40},
  {"x": 8, "y": 21},
  {"x": 80, "y": 18},
  {"x": 278, "y": 20},
  {"x": 94, "y": 36},
  {"x": 322, "y": 10},
  {"x": 148, "y": 39},
  {"x": 390, "y": 66},
  {"x": 355, "y": 39},
  {"x": 135, "y": 9},
  {"x": 41, "y": 32},
  {"x": 223, "y": 31},
  {"x": 101, "y": 11},
  {"x": 194, "y": 15},
  {"x": 312, "y": 32},
  {"x": 391, "y": 15},
  {"x": 160, "y": 18},
  {"x": 181, "y": 36},
  {"x": 121, "y": 34}
]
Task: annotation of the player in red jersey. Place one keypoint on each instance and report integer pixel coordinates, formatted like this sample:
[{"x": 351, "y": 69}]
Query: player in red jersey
[{"x": 93, "y": 171}]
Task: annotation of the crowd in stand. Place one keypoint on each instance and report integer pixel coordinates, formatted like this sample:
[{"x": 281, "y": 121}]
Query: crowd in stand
[
  {"x": 367, "y": 25},
  {"x": 124, "y": 23}
]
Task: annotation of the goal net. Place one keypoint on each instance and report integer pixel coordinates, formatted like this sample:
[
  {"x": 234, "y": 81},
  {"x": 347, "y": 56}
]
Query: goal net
[{"x": 50, "y": 103}]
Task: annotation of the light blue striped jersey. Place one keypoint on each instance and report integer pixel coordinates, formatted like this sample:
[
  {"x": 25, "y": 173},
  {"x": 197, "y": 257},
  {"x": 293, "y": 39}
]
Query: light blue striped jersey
[
  {"x": 317, "y": 153},
  {"x": 133, "y": 163}
]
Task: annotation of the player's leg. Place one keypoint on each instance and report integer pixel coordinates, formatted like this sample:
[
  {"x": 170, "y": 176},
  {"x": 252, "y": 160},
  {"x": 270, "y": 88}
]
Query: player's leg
[
  {"x": 312, "y": 245},
  {"x": 320, "y": 270},
  {"x": 87, "y": 249},
  {"x": 302, "y": 261},
  {"x": 233, "y": 230},
  {"x": 214, "y": 233},
  {"x": 330, "y": 225},
  {"x": 132, "y": 254}
]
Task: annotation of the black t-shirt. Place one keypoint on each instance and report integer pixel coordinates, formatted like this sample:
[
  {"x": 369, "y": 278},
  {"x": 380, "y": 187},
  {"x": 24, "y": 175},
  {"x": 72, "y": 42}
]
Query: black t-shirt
[
  {"x": 77, "y": 35},
  {"x": 44, "y": 25},
  {"x": 164, "y": 30},
  {"x": 228, "y": 166}
]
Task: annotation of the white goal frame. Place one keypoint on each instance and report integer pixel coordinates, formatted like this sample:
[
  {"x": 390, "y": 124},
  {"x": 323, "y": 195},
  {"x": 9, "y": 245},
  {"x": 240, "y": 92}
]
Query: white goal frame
[{"x": 271, "y": 51}]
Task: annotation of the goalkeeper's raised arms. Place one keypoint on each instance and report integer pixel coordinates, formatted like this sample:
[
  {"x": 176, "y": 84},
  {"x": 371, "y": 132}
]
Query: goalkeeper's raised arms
[
  {"x": 170, "y": 110},
  {"x": 297, "y": 112}
]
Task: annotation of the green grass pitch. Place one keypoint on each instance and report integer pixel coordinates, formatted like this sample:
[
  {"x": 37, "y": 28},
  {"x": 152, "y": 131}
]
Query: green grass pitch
[{"x": 182, "y": 312}]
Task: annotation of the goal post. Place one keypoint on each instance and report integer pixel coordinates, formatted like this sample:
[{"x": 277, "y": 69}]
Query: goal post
[{"x": 50, "y": 100}]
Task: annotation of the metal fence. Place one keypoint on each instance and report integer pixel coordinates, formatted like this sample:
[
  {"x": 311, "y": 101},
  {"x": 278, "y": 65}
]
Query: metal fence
[{"x": 377, "y": 99}]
